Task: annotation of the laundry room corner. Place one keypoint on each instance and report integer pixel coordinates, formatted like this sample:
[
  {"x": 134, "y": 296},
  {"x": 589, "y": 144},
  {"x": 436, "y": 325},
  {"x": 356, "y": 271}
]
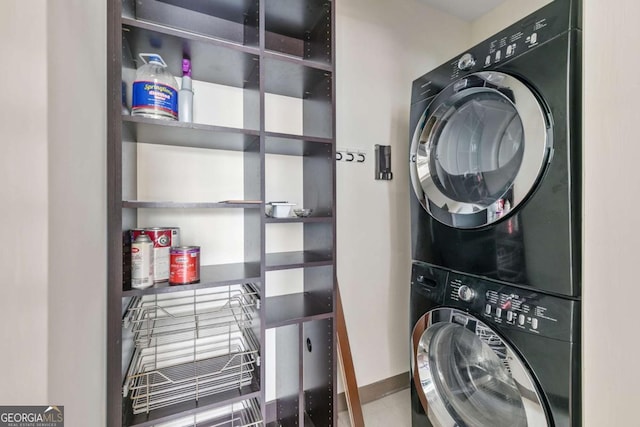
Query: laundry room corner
[{"x": 373, "y": 90}]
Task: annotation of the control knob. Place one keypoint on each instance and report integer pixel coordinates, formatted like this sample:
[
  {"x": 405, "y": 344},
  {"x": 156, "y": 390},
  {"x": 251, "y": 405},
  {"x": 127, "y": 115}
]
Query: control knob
[
  {"x": 466, "y": 294},
  {"x": 466, "y": 62}
]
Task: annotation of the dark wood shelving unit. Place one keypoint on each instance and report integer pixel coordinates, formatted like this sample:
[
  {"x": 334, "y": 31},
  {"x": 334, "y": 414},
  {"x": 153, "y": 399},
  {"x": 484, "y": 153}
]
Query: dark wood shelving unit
[{"x": 257, "y": 48}]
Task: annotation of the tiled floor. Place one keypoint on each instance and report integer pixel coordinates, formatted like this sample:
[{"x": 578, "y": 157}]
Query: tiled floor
[{"x": 391, "y": 411}]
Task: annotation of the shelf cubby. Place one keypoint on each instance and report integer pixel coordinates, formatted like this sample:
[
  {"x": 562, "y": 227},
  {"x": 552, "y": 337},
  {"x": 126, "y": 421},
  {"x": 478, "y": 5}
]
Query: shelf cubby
[
  {"x": 289, "y": 309},
  {"x": 307, "y": 398},
  {"x": 213, "y": 62},
  {"x": 296, "y": 296},
  {"x": 230, "y": 20},
  {"x": 297, "y": 79},
  {"x": 300, "y": 29},
  {"x": 288, "y": 342},
  {"x": 318, "y": 372}
]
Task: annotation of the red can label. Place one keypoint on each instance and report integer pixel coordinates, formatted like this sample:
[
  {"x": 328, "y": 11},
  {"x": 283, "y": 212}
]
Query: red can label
[{"x": 185, "y": 265}]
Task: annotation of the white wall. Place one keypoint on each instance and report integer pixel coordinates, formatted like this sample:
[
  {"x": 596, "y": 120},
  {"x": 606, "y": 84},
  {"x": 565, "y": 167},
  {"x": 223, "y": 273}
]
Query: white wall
[
  {"x": 611, "y": 181},
  {"x": 502, "y": 16},
  {"x": 382, "y": 47},
  {"x": 77, "y": 63},
  {"x": 23, "y": 213}
]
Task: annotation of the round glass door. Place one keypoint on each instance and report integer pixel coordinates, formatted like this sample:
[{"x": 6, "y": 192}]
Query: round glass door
[
  {"x": 471, "y": 378},
  {"x": 479, "y": 149}
]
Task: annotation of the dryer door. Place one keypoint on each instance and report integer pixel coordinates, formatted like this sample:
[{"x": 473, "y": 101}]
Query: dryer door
[
  {"x": 468, "y": 376},
  {"x": 479, "y": 149}
]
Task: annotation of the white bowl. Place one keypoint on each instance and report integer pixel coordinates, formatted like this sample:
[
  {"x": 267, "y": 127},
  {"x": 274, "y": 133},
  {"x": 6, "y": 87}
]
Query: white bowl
[{"x": 279, "y": 209}]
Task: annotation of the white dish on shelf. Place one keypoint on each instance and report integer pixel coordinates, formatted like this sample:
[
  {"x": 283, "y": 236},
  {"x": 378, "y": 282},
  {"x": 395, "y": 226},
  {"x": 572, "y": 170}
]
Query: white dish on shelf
[{"x": 279, "y": 209}]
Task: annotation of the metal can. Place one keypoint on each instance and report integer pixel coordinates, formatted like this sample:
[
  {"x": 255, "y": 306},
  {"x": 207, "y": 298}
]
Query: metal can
[
  {"x": 185, "y": 265},
  {"x": 142, "y": 262},
  {"x": 175, "y": 236},
  {"x": 161, "y": 237}
]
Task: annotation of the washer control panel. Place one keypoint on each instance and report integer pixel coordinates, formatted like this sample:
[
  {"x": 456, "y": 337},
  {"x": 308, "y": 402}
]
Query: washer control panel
[{"x": 511, "y": 307}]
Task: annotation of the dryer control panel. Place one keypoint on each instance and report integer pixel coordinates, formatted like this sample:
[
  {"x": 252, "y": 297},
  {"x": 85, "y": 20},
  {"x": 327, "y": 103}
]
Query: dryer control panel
[
  {"x": 492, "y": 53},
  {"x": 510, "y": 307}
]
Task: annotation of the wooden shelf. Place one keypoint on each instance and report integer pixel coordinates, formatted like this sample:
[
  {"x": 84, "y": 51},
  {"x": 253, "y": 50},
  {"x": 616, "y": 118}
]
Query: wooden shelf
[
  {"x": 136, "y": 129},
  {"x": 297, "y": 220},
  {"x": 137, "y": 204},
  {"x": 210, "y": 276},
  {"x": 295, "y": 145},
  {"x": 294, "y": 308},
  {"x": 181, "y": 410},
  {"x": 288, "y": 260},
  {"x": 299, "y": 61}
]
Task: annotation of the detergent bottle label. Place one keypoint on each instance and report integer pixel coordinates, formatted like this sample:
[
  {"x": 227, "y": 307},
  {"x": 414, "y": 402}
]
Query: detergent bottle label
[{"x": 152, "y": 96}]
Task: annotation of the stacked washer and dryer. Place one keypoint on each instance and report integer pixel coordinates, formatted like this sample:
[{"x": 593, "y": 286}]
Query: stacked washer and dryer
[{"x": 496, "y": 230}]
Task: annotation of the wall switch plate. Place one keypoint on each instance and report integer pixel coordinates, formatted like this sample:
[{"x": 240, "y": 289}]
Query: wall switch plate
[{"x": 383, "y": 162}]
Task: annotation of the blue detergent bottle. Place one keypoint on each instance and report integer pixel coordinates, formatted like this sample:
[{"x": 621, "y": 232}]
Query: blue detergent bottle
[{"x": 155, "y": 90}]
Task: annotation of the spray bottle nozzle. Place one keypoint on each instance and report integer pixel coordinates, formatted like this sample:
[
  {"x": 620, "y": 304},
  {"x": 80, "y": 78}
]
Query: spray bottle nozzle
[{"x": 186, "y": 67}]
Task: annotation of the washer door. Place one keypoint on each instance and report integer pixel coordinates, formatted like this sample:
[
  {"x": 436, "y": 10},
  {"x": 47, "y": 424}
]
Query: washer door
[
  {"x": 479, "y": 149},
  {"x": 467, "y": 376}
]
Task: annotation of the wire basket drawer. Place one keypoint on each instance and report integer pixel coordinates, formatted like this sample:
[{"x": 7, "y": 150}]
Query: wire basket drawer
[{"x": 191, "y": 345}]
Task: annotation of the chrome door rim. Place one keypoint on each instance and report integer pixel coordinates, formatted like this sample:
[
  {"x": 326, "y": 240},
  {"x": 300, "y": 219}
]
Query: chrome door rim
[
  {"x": 537, "y": 149},
  {"x": 437, "y": 408}
]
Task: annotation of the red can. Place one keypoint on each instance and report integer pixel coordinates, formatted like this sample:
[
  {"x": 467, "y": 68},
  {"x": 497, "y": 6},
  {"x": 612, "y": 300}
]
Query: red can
[{"x": 185, "y": 265}]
